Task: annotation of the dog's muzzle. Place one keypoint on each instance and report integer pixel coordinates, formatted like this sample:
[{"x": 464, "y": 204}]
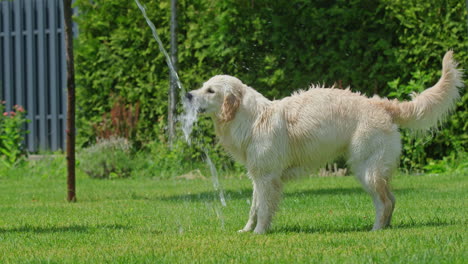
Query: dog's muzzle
[{"x": 189, "y": 97}]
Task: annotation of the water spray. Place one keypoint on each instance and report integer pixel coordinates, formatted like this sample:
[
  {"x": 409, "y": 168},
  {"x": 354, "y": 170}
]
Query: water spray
[{"x": 188, "y": 118}]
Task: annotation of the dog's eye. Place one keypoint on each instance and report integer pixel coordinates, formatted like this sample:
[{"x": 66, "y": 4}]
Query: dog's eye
[{"x": 210, "y": 90}]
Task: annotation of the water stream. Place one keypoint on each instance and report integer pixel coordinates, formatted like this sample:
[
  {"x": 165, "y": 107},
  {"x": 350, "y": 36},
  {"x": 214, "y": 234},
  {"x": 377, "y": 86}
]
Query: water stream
[
  {"x": 189, "y": 117},
  {"x": 161, "y": 46},
  {"x": 215, "y": 179}
]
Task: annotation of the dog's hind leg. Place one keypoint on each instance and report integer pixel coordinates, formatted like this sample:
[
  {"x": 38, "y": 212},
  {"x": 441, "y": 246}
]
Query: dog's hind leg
[
  {"x": 393, "y": 200},
  {"x": 383, "y": 202},
  {"x": 374, "y": 167},
  {"x": 376, "y": 183},
  {"x": 253, "y": 213},
  {"x": 268, "y": 190}
]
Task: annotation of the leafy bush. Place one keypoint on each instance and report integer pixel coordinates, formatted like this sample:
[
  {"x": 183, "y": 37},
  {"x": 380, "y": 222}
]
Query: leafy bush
[
  {"x": 12, "y": 134},
  {"x": 449, "y": 139},
  {"x": 455, "y": 163},
  {"x": 425, "y": 30},
  {"x": 274, "y": 46},
  {"x": 107, "y": 159},
  {"x": 118, "y": 58},
  {"x": 117, "y": 55}
]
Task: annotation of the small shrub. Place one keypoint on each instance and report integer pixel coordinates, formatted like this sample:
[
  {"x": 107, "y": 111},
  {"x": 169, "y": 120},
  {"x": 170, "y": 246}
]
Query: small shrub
[
  {"x": 107, "y": 159},
  {"x": 12, "y": 134},
  {"x": 121, "y": 121}
]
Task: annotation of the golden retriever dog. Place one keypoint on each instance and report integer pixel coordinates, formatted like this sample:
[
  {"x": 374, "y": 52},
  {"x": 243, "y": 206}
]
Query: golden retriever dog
[{"x": 281, "y": 139}]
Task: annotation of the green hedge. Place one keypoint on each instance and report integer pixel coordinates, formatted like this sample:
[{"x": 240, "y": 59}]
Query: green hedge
[
  {"x": 425, "y": 30},
  {"x": 274, "y": 46}
]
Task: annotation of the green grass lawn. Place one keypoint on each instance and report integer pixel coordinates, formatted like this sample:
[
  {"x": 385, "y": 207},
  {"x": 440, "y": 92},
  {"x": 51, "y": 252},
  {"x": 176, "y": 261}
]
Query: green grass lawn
[{"x": 321, "y": 220}]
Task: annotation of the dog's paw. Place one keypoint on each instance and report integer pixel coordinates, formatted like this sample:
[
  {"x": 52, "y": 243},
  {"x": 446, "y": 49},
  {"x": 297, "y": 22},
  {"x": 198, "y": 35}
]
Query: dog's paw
[
  {"x": 244, "y": 231},
  {"x": 259, "y": 231}
]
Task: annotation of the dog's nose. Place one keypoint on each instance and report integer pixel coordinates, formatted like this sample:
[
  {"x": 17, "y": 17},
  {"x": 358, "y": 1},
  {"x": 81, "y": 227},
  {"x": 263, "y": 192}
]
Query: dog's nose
[{"x": 189, "y": 96}]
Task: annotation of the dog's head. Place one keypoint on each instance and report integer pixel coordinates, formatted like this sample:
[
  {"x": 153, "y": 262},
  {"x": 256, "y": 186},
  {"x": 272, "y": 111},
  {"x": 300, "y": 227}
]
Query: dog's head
[{"x": 219, "y": 96}]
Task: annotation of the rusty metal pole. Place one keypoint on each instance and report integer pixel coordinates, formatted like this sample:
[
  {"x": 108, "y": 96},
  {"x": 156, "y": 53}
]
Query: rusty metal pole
[
  {"x": 173, "y": 85},
  {"x": 67, "y": 10}
]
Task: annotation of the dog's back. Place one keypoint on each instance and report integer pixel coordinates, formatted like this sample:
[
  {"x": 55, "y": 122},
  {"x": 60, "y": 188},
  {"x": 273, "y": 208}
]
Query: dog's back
[
  {"x": 319, "y": 124},
  {"x": 330, "y": 120}
]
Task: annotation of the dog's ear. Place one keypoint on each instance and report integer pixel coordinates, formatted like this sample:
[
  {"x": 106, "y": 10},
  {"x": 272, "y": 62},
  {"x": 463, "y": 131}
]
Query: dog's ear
[{"x": 230, "y": 105}]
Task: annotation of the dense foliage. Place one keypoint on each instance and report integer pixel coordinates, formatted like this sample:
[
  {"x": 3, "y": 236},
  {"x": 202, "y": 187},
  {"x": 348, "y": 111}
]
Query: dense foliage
[{"x": 385, "y": 47}]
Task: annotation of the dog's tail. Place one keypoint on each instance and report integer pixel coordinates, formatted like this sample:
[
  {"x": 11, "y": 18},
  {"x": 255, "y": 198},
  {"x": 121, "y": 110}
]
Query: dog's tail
[{"x": 429, "y": 108}]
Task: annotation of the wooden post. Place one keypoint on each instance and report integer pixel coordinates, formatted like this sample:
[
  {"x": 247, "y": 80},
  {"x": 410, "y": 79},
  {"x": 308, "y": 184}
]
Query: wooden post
[
  {"x": 67, "y": 10},
  {"x": 173, "y": 86}
]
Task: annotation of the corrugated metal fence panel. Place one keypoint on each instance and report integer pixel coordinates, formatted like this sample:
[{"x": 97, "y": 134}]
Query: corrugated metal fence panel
[
  {"x": 31, "y": 62},
  {"x": 42, "y": 74},
  {"x": 7, "y": 61},
  {"x": 32, "y": 68}
]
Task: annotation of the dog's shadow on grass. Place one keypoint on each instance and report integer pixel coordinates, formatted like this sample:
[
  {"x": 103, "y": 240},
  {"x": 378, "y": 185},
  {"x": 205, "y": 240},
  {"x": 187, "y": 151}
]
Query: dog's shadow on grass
[
  {"x": 246, "y": 193},
  {"x": 351, "y": 229},
  {"x": 59, "y": 229},
  {"x": 318, "y": 229},
  {"x": 430, "y": 223},
  {"x": 208, "y": 196}
]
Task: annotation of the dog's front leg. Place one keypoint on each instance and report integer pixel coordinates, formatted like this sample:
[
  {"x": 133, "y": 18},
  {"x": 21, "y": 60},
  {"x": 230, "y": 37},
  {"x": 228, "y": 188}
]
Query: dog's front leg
[
  {"x": 268, "y": 190},
  {"x": 253, "y": 213}
]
